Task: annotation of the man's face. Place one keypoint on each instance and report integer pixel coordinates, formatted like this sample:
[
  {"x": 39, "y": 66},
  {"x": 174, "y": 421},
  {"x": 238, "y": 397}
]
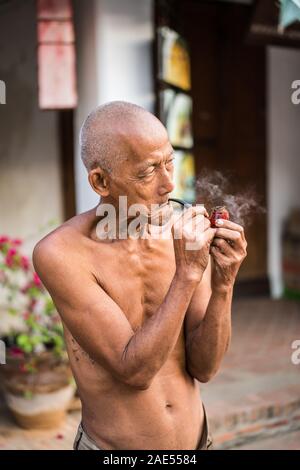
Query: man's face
[{"x": 146, "y": 176}]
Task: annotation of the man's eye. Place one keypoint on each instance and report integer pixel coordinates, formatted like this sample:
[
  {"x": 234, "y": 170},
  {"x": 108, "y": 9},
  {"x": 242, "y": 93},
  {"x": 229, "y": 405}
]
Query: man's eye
[{"x": 148, "y": 173}]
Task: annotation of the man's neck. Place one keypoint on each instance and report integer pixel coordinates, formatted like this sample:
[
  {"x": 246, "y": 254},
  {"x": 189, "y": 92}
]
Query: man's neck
[{"x": 122, "y": 226}]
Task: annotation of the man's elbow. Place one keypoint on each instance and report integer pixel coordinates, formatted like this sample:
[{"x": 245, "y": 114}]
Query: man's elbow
[
  {"x": 136, "y": 376},
  {"x": 203, "y": 376},
  {"x": 138, "y": 383},
  {"x": 138, "y": 380},
  {"x": 142, "y": 385}
]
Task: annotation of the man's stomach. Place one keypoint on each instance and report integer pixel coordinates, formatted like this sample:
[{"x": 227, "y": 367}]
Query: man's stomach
[{"x": 168, "y": 415}]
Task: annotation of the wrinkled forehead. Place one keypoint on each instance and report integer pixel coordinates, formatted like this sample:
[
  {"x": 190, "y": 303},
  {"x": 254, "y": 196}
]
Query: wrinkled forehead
[{"x": 150, "y": 144}]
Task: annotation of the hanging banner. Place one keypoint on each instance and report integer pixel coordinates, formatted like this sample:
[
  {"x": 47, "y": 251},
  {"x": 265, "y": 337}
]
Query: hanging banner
[{"x": 56, "y": 55}]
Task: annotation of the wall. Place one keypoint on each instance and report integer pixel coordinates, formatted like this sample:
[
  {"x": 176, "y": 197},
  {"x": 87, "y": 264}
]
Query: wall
[
  {"x": 30, "y": 180},
  {"x": 114, "y": 57},
  {"x": 283, "y": 152}
]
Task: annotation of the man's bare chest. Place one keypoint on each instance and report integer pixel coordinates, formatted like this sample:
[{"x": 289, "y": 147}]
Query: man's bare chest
[{"x": 137, "y": 280}]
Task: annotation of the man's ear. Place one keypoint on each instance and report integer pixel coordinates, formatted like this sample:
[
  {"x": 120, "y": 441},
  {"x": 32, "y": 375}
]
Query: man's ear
[{"x": 98, "y": 179}]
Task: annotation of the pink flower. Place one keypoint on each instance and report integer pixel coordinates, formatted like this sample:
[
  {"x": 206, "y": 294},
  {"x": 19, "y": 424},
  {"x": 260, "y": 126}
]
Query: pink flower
[
  {"x": 25, "y": 263},
  {"x": 36, "y": 280},
  {"x": 33, "y": 303},
  {"x": 26, "y": 315},
  {"x": 9, "y": 261},
  {"x": 4, "y": 239},
  {"x": 16, "y": 352},
  {"x": 12, "y": 252},
  {"x": 17, "y": 242},
  {"x": 25, "y": 288}
]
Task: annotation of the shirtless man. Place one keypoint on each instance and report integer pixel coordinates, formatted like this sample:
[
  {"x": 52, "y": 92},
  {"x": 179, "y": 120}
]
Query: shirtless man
[{"x": 146, "y": 319}]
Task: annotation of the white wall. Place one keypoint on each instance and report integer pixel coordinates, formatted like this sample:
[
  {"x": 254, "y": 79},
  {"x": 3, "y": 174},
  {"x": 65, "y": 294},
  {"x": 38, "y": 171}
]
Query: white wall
[
  {"x": 30, "y": 180},
  {"x": 283, "y": 152},
  {"x": 114, "y": 54}
]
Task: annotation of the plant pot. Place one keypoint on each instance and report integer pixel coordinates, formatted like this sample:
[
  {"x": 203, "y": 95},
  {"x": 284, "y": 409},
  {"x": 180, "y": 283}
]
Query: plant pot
[{"x": 38, "y": 389}]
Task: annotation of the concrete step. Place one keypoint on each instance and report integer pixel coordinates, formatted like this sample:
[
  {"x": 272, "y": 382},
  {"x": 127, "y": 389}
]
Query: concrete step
[
  {"x": 257, "y": 390},
  {"x": 252, "y": 432},
  {"x": 281, "y": 441}
]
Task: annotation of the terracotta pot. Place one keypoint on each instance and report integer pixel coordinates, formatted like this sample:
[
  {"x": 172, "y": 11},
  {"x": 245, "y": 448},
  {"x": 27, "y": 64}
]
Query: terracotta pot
[{"x": 38, "y": 398}]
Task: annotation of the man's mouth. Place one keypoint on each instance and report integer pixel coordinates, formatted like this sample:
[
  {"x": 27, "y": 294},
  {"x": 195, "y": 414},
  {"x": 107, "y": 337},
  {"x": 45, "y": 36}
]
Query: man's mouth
[
  {"x": 155, "y": 208},
  {"x": 164, "y": 203}
]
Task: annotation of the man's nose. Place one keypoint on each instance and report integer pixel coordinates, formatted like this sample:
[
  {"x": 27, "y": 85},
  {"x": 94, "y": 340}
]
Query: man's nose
[{"x": 166, "y": 185}]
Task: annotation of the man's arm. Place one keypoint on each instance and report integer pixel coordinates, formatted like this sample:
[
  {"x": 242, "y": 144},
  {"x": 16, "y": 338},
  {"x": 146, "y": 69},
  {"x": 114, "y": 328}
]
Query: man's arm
[
  {"x": 100, "y": 326},
  {"x": 208, "y": 343},
  {"x": 209, "y": 329}
]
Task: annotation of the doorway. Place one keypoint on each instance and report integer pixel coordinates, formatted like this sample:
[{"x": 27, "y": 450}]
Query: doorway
[{"x": 229, "y": 109}]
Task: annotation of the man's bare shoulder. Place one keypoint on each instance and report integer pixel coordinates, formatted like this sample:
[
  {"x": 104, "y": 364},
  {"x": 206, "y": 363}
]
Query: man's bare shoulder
[{"x": 63, "y": 242}]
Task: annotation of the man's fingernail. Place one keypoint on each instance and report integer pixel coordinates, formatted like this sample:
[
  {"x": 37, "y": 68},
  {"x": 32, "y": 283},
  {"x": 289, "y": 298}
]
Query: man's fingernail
[{"x": 219, "y": 222}]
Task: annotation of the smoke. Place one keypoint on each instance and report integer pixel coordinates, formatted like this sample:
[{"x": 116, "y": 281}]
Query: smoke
[{"x": 213, "y": 189}]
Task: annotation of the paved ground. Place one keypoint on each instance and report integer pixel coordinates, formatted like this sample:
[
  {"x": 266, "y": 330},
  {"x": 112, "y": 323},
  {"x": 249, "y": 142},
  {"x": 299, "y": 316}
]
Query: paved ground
[
  {"x": 255, "y": 395},
  {"x": 14, "y": 438},
  {"x": 288, "y": 441},
  {"x": 258, "y": 386}
]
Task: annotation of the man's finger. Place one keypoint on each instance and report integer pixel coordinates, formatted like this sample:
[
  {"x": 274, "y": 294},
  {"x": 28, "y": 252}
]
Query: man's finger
[
  {"x": 216, "y": 253},
  {"x": 209, "y": 235},
  {"x": 197, "y": 223},
  {"x": 228, "y": 224},
  {"x": 192, "y": 219},
  {"x": 193, "y": 211},
  {"x": 223, "y": 246},
  {"x": 227, "y": 234},
  {"x": 202, "y": 238}
]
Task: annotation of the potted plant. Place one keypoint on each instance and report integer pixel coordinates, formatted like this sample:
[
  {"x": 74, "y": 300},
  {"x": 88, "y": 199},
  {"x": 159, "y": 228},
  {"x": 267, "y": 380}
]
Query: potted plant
[{"x": 37, "y": 380}]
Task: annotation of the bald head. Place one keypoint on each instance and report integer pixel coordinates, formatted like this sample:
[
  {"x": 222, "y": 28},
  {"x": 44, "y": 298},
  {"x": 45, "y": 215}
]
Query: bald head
[{"x": 110, "y": 133}]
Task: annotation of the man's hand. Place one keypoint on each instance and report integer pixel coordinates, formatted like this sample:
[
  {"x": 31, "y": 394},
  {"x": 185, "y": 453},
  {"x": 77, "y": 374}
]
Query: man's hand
[
  {"x": 192, "y": 235},
  {"x": 228, "y": 250}
]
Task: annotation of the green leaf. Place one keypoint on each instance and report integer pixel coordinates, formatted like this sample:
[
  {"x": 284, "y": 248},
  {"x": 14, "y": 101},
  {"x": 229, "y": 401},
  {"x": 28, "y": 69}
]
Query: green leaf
[
  {"x": 34, "y": 292},
  {"x": 28, "y": 394},
  {"x": 49, "y": 307},
  {"x": 12, "y": 311},
  {"x": 23, "y": 341}
]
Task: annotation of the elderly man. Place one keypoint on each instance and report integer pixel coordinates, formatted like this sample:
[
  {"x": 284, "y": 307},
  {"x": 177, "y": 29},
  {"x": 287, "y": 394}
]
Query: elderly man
[{"x": 144, "y": 318}]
